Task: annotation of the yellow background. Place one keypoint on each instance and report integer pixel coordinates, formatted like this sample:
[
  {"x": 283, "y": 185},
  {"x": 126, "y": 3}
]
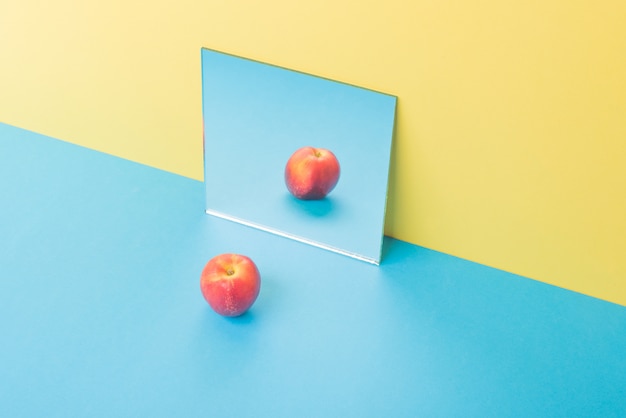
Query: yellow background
[{"x": 510, "y": 145}]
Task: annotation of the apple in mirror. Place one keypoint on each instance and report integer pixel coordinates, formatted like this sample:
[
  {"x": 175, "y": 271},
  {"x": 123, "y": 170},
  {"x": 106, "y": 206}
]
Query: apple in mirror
[{"x": 311, "y": 173}]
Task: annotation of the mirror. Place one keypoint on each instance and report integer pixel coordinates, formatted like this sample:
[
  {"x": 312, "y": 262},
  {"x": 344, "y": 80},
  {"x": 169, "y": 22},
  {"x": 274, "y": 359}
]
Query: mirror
[{"x": 257, "y": 115}]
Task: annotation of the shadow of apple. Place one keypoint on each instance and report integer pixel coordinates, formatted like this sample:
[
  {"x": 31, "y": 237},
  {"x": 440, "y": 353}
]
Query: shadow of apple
[{"x": 316, "y": 208}]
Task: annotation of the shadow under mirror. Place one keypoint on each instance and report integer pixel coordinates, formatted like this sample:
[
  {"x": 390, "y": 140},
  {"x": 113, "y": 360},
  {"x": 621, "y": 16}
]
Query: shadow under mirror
[{"x": 297, "y": 155}]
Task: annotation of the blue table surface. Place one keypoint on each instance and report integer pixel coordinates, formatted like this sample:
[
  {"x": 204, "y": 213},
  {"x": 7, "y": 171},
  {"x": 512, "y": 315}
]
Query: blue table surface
[{"x": 101, "y": 313}]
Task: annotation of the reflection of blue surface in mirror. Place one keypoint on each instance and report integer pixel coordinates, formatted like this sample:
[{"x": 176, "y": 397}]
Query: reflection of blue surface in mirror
[{"x": 256, "y": 115}]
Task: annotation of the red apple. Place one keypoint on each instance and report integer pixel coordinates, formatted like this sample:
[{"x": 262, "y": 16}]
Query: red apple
[
  {"x": 311, "y": 173},
  {"x": 230, "y": 283}
]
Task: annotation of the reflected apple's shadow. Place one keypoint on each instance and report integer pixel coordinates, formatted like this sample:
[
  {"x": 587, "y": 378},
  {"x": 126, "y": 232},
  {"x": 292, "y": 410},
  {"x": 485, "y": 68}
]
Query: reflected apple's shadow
[{"x": 315, "y": 208}]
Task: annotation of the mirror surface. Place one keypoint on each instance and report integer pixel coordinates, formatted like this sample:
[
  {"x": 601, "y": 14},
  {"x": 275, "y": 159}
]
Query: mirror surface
[{"x": 257, "y": 115}]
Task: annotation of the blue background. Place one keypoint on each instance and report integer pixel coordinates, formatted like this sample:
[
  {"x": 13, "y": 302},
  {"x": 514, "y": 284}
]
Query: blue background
[
  {"x": 101, "y": 314},
  {"x": 256, "y": 115}
]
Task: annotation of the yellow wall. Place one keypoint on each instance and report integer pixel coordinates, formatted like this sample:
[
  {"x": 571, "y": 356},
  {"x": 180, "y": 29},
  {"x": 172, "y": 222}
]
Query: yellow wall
[{"x": 511, "y": 137}]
